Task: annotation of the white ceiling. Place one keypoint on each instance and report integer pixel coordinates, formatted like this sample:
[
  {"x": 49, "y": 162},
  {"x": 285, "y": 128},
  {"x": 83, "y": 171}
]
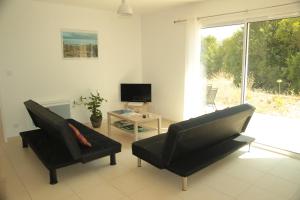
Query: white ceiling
[{"x": 139, "y": 6}]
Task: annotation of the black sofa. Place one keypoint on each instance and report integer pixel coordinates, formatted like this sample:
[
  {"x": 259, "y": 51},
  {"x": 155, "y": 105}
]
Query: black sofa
[
  {"x": 192, "y": 145},
  {"x": 55, "y": 144}
]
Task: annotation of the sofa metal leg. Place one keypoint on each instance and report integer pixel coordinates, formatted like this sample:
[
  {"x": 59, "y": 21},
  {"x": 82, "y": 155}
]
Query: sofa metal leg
[
  {"x": 139, "y": 162},
  {"x": 24, "y": 143},
  {"x": 112, "y": 159},
  {"x": 249, "y": 147},
  {"x": 53, "y": 176},
  {"x": 184, "y": 183}
]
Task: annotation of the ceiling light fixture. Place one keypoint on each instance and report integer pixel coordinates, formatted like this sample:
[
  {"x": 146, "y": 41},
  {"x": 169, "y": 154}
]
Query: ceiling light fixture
[{"x": 124, "y": 9}]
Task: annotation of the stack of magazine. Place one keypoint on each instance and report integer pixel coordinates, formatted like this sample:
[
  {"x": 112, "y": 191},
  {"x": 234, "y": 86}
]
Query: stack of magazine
[
  {"x": 123, "y": 111},
  {"x": 127, "y": 126}
]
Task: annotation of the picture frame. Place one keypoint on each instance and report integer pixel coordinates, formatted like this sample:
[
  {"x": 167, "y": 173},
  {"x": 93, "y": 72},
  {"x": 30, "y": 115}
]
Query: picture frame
[{"x": 79, "y": 44}]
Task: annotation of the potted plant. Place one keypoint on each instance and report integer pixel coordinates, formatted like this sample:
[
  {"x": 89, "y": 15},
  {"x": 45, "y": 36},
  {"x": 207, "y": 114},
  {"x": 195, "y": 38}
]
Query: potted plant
[{"x": 93, "y": 104}]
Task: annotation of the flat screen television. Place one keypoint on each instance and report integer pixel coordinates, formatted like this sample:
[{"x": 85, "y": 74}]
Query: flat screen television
[{"x": 132, "y": 92}]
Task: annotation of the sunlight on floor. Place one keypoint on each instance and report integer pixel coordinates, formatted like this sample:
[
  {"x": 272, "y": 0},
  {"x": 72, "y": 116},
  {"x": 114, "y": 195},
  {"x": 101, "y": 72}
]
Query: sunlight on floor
[
  {"x": 258, "y": 153},
  {"x": 275, "y": 131}
]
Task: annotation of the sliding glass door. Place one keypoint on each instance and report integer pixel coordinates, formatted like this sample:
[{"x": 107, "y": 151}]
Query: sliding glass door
[
  {"x": 274, "y": 82},
  {"x": 257, "y": 63},
  {"x": 222, "y": 49}
]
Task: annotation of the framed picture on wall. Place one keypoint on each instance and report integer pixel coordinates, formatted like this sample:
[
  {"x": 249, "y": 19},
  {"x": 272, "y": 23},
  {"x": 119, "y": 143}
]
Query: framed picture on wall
[{"x": 79, "y": 44}]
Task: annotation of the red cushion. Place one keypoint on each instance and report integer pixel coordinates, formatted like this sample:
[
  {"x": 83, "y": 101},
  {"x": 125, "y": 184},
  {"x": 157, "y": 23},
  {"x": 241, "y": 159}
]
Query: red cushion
[{"x": 81, "y": 139}]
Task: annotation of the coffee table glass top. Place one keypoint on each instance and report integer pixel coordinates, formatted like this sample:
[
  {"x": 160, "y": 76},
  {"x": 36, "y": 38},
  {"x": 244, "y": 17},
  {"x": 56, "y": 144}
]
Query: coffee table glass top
[{"x": 134, "y": 116}]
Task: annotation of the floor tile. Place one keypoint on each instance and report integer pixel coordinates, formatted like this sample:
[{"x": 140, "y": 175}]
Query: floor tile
[
  {"x": 46, "y": 191},
  {"x": 204, "y": 192},
  {"x": 134, "y": 181},
  {"x": 125, "y": 198},
  {"x": 70, "y": 197},
  {"x": 287, "y": 172},
  {"x": 12, "y": 188},
  {"x": 239, "y": 171},
  {"x": 100, "y": 191},
  {"x": 258, "y": 194},
  {"x": 296, "y": 196},
  {"x": 227, "y": 184},
  {"x": 156, "y": 191},
  {"x": 277, "y": 185}
]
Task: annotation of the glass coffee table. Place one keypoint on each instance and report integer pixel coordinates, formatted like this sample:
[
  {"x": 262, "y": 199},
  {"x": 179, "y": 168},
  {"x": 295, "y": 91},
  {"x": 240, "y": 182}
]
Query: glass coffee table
[{"x": 134, "y": 118}]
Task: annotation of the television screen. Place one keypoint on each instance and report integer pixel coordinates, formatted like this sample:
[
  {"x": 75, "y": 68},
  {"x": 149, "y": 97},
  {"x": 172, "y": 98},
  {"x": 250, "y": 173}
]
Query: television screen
[{"x": 135, "y": 92}]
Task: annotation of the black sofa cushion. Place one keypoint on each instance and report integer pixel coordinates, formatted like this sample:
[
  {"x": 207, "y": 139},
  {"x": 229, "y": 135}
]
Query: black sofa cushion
[
  {"x": 150, "y": 149},
  {"x": 52, "y": 153},
  {"x": 197, "y": 160}
]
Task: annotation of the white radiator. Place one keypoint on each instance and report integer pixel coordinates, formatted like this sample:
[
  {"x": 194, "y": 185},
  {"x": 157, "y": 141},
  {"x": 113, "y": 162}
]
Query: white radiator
[{"x": 61, "y": 107}]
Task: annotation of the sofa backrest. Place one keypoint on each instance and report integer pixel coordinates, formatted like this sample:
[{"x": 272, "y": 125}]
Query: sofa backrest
[
  {"x": 54, "y": 126},
  {"x": 201, "y": 132}
]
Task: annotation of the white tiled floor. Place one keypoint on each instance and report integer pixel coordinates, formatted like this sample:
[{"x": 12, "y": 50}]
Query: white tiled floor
[{"x": 255, "y": 175}]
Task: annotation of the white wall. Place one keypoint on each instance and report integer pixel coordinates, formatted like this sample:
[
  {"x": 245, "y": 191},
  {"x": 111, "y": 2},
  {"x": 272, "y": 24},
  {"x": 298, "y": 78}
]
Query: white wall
[
  {"x": 163, "y": 45},
  {"x": 163, "y": 64},
  {"x": 31, "y": 60}
]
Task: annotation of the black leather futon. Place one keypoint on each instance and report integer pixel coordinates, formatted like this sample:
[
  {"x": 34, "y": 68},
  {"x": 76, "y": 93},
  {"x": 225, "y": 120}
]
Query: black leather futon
[
  {"x": 55, "y": 144},
  {"x": 192, "y": 145}
]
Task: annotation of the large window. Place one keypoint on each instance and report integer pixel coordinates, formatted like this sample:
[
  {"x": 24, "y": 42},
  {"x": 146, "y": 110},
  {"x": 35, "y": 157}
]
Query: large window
[
  {"x": 271, "y": 76},
  {"x": 222, "y": 50}
]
